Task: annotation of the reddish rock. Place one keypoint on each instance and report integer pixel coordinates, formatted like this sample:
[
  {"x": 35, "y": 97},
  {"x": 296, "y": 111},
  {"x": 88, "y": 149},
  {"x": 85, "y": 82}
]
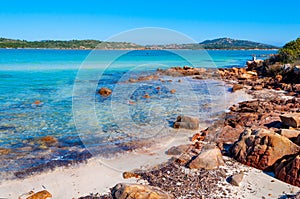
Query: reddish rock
[
  {"x": 105, "y": 92},
  {"x": 127, "y": 175},
  {"x": 289, "y": 133},
  {"x": 147, "y": 96},
  {"x": 288, "y": 170},
  {"x": 173, "y": 91},
  {"x": 291, "y": 119},
  {"x": 198, "y": 137},
  {"x": 262, "y": 148},
  {"x": 37, "y": 102},
  {"x": 278, "y": 78},
  {"x": 40, "y": 195},
  {"x": 257, "y": 87},
  {"x": 4, "y": 151}
]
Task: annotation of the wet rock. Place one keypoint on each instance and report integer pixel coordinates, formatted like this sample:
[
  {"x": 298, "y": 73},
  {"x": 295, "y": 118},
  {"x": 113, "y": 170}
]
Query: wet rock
[
  {"x": 289, "y": 133},
  {"x": 48, "y": 140},
  {"x": 262, "y": 148},
  {"x": 291, "y": 119},
  {"x": 105, "y": 92},
  {"x": 178, "y": 150},
  {"x": 236, "y": 87},
  {"x": 147, "y": 96},
  {"x": 187, "y": 122},
  {"x": 136, "y": 191},
  {"x": 288, "y": 169},
  {"x": 236, "y": 179},
  {"x": 208, "y": 159}
]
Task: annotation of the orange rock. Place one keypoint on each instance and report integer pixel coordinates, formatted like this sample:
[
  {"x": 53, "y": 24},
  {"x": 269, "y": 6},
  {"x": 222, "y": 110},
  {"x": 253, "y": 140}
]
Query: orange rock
[
  {"x": 49, "y": 139},
  {"x": 4, "y": 151},
  {"x": 173, "y": 91},
  {"x": 105, "y": 92},
  {"x": 197, "y": 145},
  {"x": 158, "y": 88},
  {"x": 40, "y": 195},
  {"x": 195, "y": 137},
  {"x": 37, "y": 102},
  {"x": 146, "y": 96},
  {"x": 131, "y": 102},
  {"x": 127, "y": 175}
]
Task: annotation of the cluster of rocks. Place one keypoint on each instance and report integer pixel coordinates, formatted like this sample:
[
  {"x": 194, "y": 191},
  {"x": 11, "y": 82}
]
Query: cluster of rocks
[
  {"x": 262, "y": 133},
  {"x": 181, "y": 71}
]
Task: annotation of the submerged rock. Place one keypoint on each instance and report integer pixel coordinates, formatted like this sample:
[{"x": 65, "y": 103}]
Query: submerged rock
[
  {"x": 136, "y": 191},
  {"x": 187, "y": 122},
  {"x": 207, "y": 159},
  {"x": 105, "y": 92},
  {"x": 262, "y": 148}
]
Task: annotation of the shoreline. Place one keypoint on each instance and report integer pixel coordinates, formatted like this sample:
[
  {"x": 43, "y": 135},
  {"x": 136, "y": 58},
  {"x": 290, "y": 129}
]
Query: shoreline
[{"x": 84, "y": 178}]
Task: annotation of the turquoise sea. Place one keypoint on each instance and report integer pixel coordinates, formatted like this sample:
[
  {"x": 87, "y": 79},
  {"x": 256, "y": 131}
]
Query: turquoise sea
[{"x": 53, "y": 93}]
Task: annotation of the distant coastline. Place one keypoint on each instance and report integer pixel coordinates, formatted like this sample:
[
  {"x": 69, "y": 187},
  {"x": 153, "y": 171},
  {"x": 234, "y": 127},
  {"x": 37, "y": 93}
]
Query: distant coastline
[{"x": 216, "y": 44}]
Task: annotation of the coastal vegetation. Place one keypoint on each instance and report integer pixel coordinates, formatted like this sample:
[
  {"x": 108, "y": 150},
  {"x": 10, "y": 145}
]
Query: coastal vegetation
[
  {"x": 290, "y": 52},
  {"x": 222, "y": 43}
]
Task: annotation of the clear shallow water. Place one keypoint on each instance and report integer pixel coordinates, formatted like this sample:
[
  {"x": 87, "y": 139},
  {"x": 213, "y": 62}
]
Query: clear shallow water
[{"x": 38, "y": 98}]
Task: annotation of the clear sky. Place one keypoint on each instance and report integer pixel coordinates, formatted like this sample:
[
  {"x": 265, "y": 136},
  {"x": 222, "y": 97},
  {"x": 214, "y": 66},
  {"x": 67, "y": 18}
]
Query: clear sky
[{"x": 268, "y": 21}]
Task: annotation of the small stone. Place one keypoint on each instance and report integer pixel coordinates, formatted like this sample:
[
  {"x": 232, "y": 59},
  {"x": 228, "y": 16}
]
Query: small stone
[
  {"x": 237, "y": 179},
  {"x": 105, "y": 92},
  {"x": 173, "y": 91},
  {"x": 147, "y": 96},
  {"x": 127, "y": 175}
]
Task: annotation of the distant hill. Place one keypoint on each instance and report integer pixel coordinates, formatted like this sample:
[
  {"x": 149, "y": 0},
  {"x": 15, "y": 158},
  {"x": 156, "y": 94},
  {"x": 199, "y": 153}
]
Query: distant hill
[
  {"x": 71, "y": 44},
  {"x": 227, "y": 43},
  {"x": 222, "y": 43}
]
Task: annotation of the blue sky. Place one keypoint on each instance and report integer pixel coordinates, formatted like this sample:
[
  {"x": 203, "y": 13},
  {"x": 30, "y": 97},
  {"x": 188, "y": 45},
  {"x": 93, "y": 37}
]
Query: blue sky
[{"x": 265, "y": 21}]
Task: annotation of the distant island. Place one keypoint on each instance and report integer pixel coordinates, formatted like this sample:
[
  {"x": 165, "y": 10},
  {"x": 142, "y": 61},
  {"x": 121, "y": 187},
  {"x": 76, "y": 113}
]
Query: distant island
[{"x": 221, "y": 43}]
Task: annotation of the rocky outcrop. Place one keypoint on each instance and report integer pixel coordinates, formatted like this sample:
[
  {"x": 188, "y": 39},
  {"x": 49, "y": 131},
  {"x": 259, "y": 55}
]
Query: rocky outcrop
[
  {"x": 137, "y": 191},
  {"x": 262, "y": 148},
  {"x": 291, "y": 119},
  {"x": 184, "y": 71},
  {"x": 208, "y": 159},
  {"x": 187, "y": 122},
  {"x": 288, "y": 170},
  {"x": 105, "y": 92}
]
